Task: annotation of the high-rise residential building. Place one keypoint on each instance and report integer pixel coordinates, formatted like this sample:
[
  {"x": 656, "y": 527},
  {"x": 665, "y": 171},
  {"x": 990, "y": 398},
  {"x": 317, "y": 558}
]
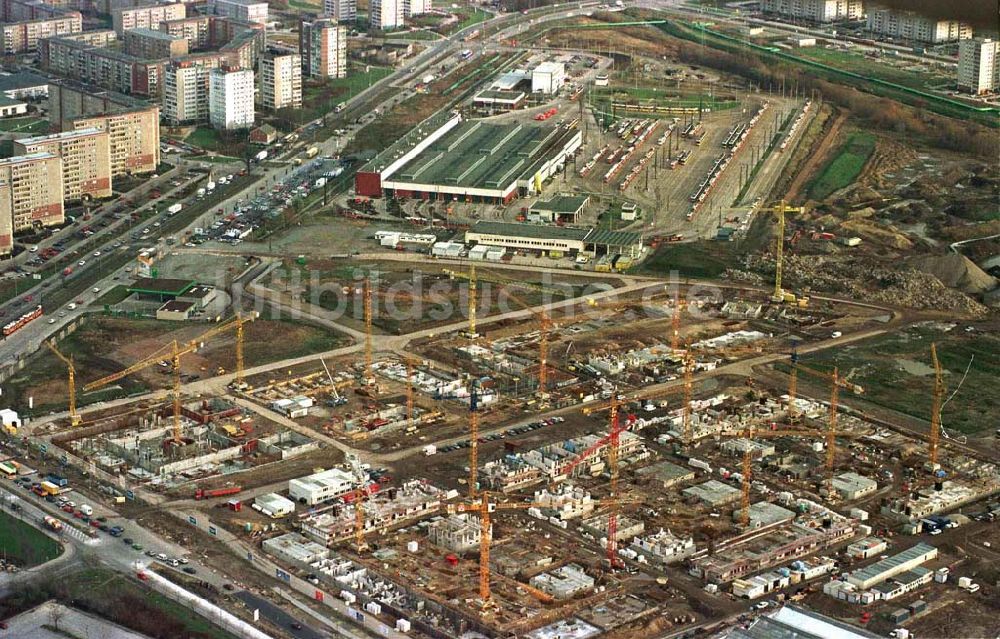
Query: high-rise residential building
[
  {"x": 323, "y": 48},
  {"x": 979, "y": 65},
  {"x": 385, "y": 14},
  {"x": 280, "y": 80},
  {"x": 148, "y": 17},
  {"x": 913, "y": 27},
  {"x": 185, "y": 93},
  {"x": 417, "y": 7},
  {"x": 814, "y": 10},
  {"x": 343, "y": 11},
  {"x": 133, "y": 138},
  {"x": 153, "y": 43},
  {"x": 230, "y": 98},
  {"x": 86, "y": 160},
  {"x": 23, "y": 37},
  {"x": 243, "y": 10},
  {"x": 31, "y": 195}
]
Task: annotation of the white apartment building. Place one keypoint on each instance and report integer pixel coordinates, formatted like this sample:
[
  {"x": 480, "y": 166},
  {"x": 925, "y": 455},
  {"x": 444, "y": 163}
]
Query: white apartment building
[
  {"x": 185, "y": 93},
  {"x": 281, "y": 80},
  {"x": 904, "y": 25},
  {"x": 242, "y": 10},
  {"x": 386, "y": 14},
  {"x": 230, "y": 98},
  {"x": 323, "y": 47},
  {"x": 343, "y": 11},
  {"x": 416, "y": 7},
  {"x": 815, "y": 10},
  {"x": 979, "y": 65}
]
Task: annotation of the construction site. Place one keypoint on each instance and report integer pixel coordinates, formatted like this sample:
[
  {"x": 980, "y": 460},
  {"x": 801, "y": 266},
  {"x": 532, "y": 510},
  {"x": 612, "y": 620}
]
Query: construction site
[{"x": 607, "y": 347}]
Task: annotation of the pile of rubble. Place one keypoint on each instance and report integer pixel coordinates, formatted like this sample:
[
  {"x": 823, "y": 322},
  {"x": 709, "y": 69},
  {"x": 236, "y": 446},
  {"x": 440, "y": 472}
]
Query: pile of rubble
[{"x": 860, "y": 279}]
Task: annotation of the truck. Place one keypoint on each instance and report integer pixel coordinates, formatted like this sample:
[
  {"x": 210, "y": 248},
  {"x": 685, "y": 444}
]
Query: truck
[
  {"x": 430, "y": 449},
  {"x": 174, "y": 209},
  {"x": 86, "y": 510},
  {"x": 311, "y": 152},
  {"x": 201, "y": 493},
  {"x": 50, "y": 489},
  {"x": 53, "y": 523},
  {"x": 260, "y": 157},
  {"x": 320, "y": 183},
  {"x": 340, "y": 107}
]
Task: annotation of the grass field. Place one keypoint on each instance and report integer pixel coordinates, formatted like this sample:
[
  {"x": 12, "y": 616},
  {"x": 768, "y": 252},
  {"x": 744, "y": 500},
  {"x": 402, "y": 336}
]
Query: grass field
[
  {"x": 123, "y": 601},
  {"x": 204, "y": 137},
  {"x": 28, "y": 124},
  {"x": 885, "y": 69},
  {"x": 844, "y": 167},
  {"x": 321, "y": 98},
  {"x": 896, "y": 372},
  {"x": 24, "y": 545},
  {"x": 698, "y": 260}
]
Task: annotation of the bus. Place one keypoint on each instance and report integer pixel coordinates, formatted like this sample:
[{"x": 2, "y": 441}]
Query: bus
[{"x": 8, "y": 469}]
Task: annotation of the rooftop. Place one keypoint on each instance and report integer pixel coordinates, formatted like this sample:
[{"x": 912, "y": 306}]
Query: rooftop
[
  {"x": 712, "y": 492},
  {"x": 536, "y": 231},
  {"x": 890, "y": 563},
  {"x": 153, "y": 33},
  {"x": 562, "y": 204},
  {"x": 476, "y": 154},
  {"x": 159, "y": 286},
  {"x": 64, "y": 135},
  {"x": 177, "y": 306},
  {"x": 21, "y": 80},
  {"x": 853, "y": 482},
  {"x": 792, "y": 622}
]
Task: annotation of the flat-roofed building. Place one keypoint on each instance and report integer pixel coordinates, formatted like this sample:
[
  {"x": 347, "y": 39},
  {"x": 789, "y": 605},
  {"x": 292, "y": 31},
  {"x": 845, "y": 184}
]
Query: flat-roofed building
[
  {"x": 913, "y": 27},
  {"x": 86, "y": 160},
  {"x": 979, "y": 65},
  {"x": 876, "y": 573},
  {"x": 281, "y": 80},
  {"x": 23, "y": 37},
  {"x": 814, "y": 10},
  {"x": 243, "y": 10},
  {"x": 153, "y": 43},
  {"x": 185, "y": 93},
  {"x": 31, "y": 195},
  {"x": 319, "y": 487},
  {"x": 148, "y": 17},
  {"x": 342, "y": 11},
  {"x": 230, "y": 98},
  {"x": 323, "y": 48},
  {"x": 853, "y": 486},
  {"x": 133, "y": 138}
]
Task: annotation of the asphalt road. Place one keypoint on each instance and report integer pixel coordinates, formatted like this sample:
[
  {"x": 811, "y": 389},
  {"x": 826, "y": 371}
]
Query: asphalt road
[{"x": 280, "y": 618}]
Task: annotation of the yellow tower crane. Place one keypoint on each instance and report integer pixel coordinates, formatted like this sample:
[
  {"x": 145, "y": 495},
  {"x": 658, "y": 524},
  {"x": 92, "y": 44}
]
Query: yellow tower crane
[
  {"x": 174, "y": 351},
  {"x": 74, "y": 417},
  {"x": 369, "y": 355},
  {"x": 688, "y": 388},
  {"x": 781, "y": 209},
  {"x": 935, "y": 434}
]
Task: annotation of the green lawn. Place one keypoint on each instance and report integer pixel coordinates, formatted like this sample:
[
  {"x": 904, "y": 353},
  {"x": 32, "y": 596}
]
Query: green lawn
[
  {"x": 416, "y": 35},
  {"x": 204, "y": 137},
  {"x": 24, "y": 545},
  {"x": 466, "y": 18},
  {"x": 125, "y": 602},
  {"x": 28, "y": 124},
  {"x": 698, "y": 260},
  {"x": 883, "y": 68},
  {"x": 895, "y": 371},
  {"x": 844, "y": 167}
]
